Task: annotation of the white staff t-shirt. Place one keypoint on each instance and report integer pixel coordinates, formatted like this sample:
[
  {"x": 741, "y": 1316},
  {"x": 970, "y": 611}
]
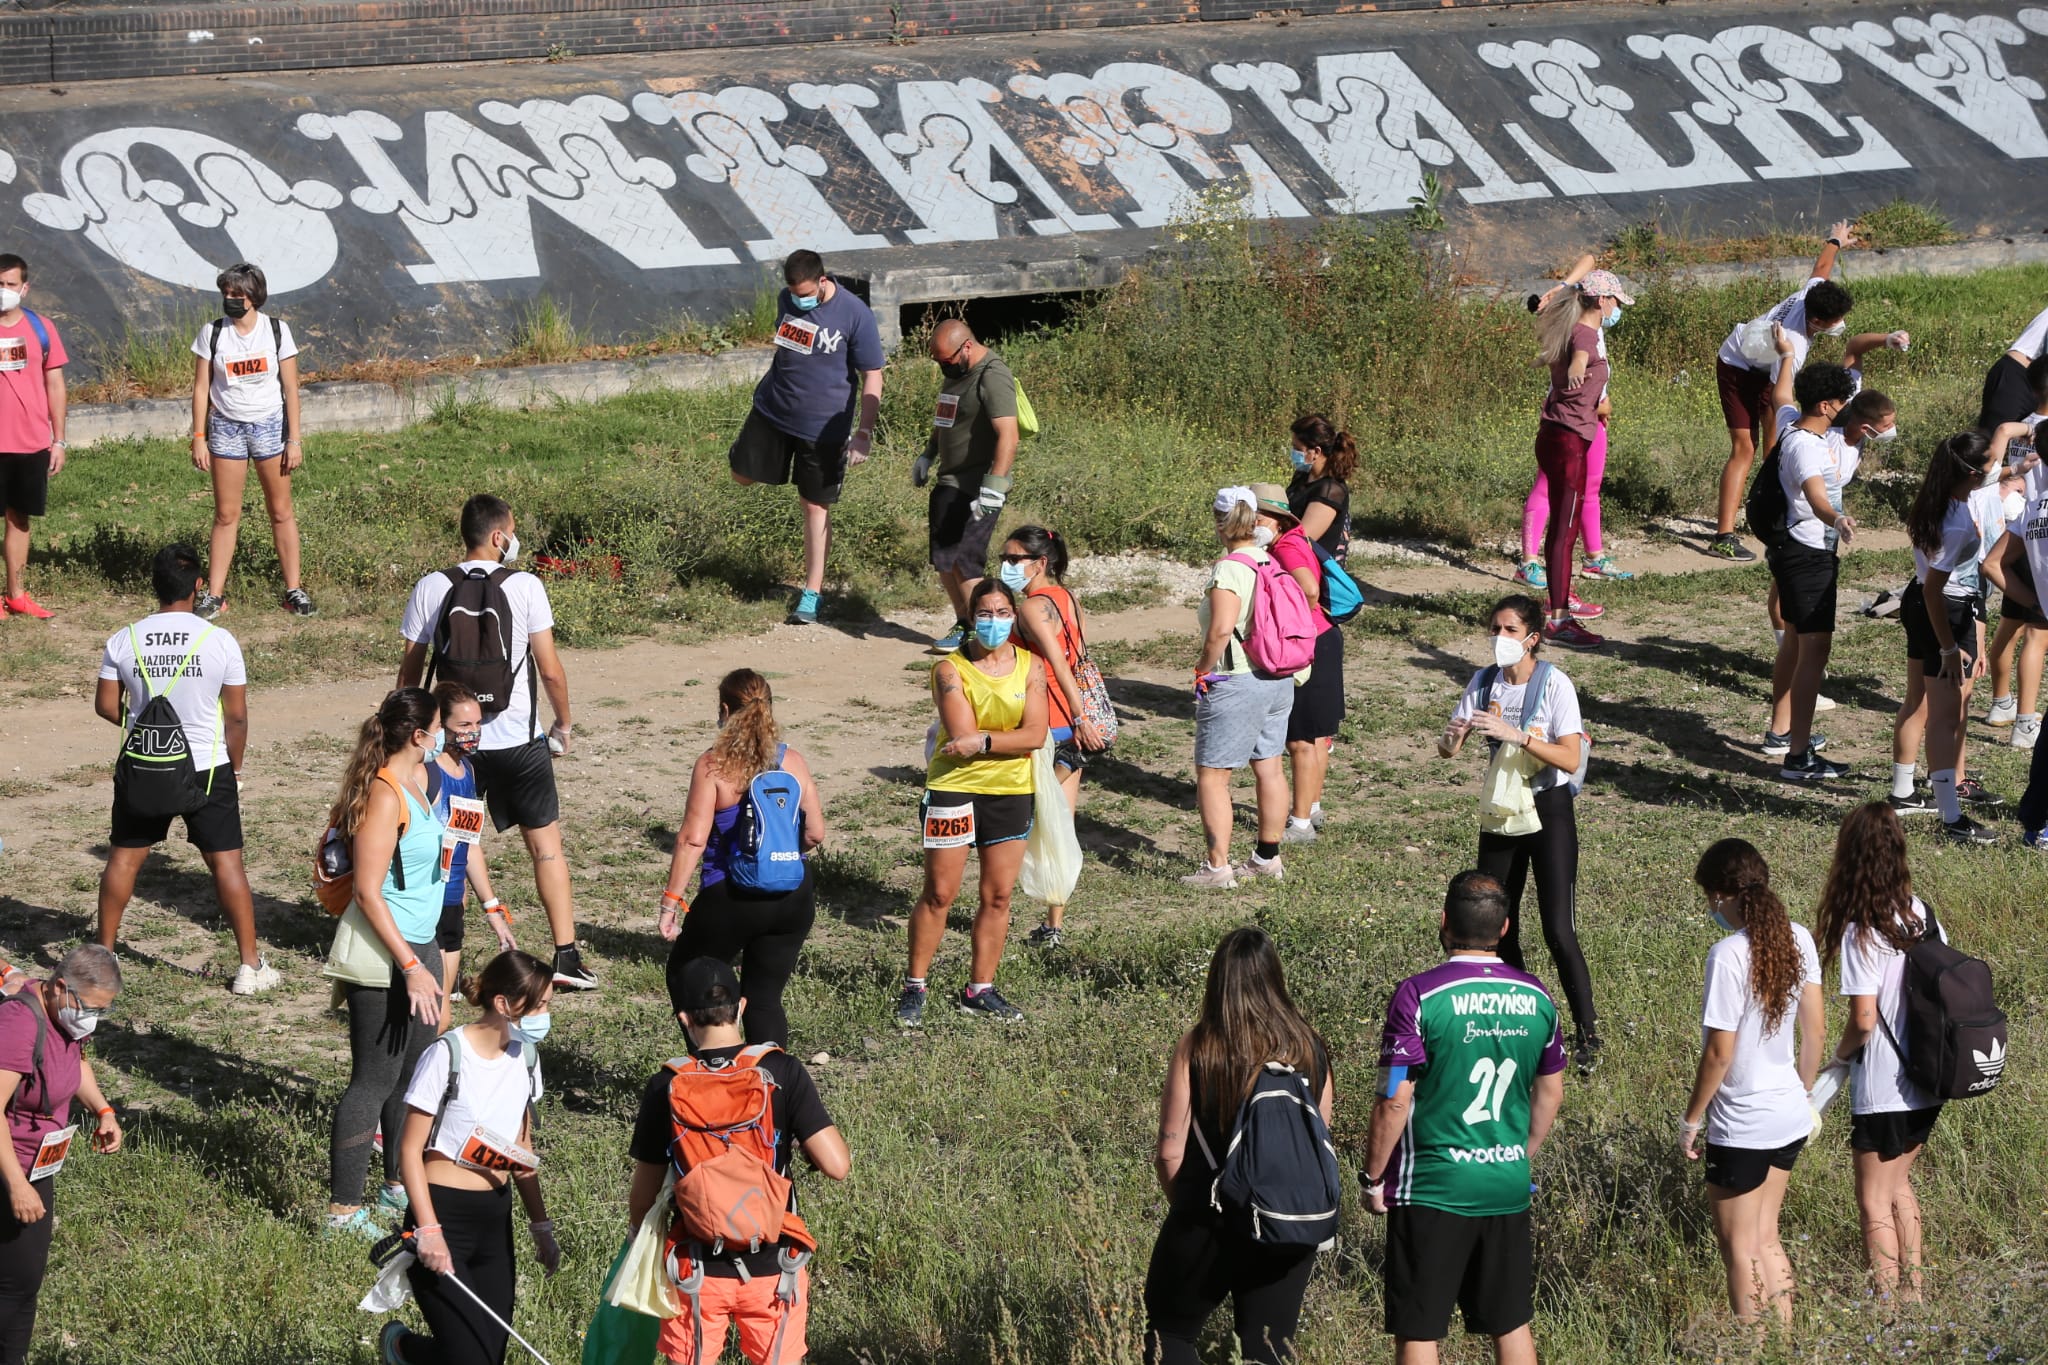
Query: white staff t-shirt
[
  {"x": 519, "y": 723},
  {"x": 1871, "y": 966},
  {"x": 166, "y": 638},
  {"x": 2031, "y": 342},
  {"x": 1791, "y": 314},
  {"x": 247, "y": 386},
  {"x": 1556, "y": 714},
  {"x": 2031, "y": 526},
  {"x": 1801, "y": 455},
  {"x": 1761, "y": 1104}
]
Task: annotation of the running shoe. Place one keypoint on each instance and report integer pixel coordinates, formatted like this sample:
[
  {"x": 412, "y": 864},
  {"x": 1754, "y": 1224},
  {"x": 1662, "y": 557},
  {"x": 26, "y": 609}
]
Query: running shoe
[
  {"x": 25, "y": 605},
  {"x": 1315, "y": 815},
  {"x": 1571, "y": 635},
  {"x": 1971, "y": 793},
  {"x": 1968, "y": 831},
  {"x": 2026, "y": 732},
  {"x": 1777, "y": 746},
  {"x": 1919, "y": 803},
  {"x": 255, "y": 980},
  {"x": 393, "y": 1199},
  {"x": 910, "y": 1008},
  {"x": 298, "y": 602},
  {"x": 1728, "y": 545},
  {"x": 2004, "y": 711},
  {"x": 805, "y": 612},
  {"x": 1822, "y": 702},
  {"x": 1531, "y": 574},
  {"x": 1605, "y": 567},
  {"x": 2036, "y": 839},
  {"x": 1045, "y": 936},
  {"x": 362, "y": 1223},
  {"x": 1221, "y": 878},
  {"x": 1302, "y": 832},
  {"x": 1585, "y": 611},
  {"x": 952, "y": 639},
  {"x": 206, "y": 606},
  {"x": 1885, "y": 605},
  {"x": 1811, "y": 767},
  {"x": 1256, "y": 867},
  {"x": 570, "y": 971},
  {"x": 391, "y": 1343},
  {"x": 989, "y": 1004},
  {"x": 1586, "y": 1048}
]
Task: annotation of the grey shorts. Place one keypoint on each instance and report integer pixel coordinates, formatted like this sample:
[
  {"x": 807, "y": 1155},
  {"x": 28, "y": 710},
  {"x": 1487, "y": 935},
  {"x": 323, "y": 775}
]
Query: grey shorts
[{"x": 1241, "y": 719}]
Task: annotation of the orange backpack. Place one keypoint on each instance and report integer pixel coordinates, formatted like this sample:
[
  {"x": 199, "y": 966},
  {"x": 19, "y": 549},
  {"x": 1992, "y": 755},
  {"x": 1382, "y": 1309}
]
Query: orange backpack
[
  {"x": 334, "y": 869},
  {"x": 728, "y": 1192}
]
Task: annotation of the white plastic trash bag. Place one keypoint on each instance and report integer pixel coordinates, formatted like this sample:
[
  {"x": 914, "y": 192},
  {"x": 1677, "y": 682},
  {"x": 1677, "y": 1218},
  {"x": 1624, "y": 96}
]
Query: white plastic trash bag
[
  {"x": 392, "y": 1289},
  {"x": 1052, "y": 855}
]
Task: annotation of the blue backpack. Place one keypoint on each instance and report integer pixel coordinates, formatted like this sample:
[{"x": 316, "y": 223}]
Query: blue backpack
[
  {"x": 1278, "y": 1179},
  {"x": 1342, "y": 597},
  {"x": 767, "y": 843}
]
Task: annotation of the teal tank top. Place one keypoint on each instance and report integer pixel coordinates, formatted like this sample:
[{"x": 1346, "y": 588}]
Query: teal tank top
[{"x": 416, "y": 910}]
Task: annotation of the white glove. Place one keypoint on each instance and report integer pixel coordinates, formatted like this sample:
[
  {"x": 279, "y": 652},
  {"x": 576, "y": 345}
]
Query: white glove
[
  {"x": 989, "y": 503},
  {"x": 920, "y": 471}
]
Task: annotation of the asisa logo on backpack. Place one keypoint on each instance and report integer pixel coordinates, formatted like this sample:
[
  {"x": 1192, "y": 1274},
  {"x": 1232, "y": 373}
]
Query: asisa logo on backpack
[
  {"x": 1278, "y": 1179},
  {"x": 155, "y": 776},
  {"x": 767, "y": 846},
  {"x": 1955, "y": 1033},
  {"x": 1282, "y": 641},
  {"x": 473, "y": 640}
]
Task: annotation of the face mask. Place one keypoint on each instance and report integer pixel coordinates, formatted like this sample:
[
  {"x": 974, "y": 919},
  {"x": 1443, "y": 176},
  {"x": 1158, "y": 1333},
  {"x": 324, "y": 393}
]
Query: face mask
[
  {"x": 1297, "y": 459},
  {"x": 10, "y": 299},
  {"x": 1508, "y": 651},
  {"x": 234, "y": 308},
  {"x": 994, "y": 633},
  {"x": 1015, "y": 577},
  {"x": 1722, "y": 920},
  {"x": 533, "y": 1029},
  {"x": 1889, "y": 434},
  {"x": 954, "y": 369},
  {"x": 1835, "y": 330},
  {"x": 511, "y": 555},
  {"x": 1264, "y": 535},
  {"x": 439, "y": 742},
  {"x": 1613, "y": 316},
  {"x": 805, "y": 305},
  {"x": 467, "y": 744},
  {"x": 77, "y": 1024}
]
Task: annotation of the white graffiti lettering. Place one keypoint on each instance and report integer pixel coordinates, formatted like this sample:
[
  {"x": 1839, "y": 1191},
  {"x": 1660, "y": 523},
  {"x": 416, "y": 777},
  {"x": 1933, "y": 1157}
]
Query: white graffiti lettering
[
  {"x": 1558, "y": 72},
  {"x": 1962, "y": 73}
]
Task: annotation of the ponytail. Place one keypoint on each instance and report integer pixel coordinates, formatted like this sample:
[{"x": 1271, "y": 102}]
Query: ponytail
[
  {"x": 1959, "y": 458},
  {"x": 1048, "y": 545},
  {"x": 403, "y": 712},
  {"x": 1340, "y": 452},
  {"x": 1732, "y": 868},
  {"x": 1557, "y": 319},
  {"x": 747, "y": 746}
]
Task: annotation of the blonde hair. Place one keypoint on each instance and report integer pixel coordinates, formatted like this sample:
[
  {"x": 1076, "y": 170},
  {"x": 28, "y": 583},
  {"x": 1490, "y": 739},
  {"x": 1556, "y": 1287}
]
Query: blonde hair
[
  {"x": 1239, "y": 522},
  {"x": 1557, "y": 319},
  {"x": 749, "y": 743}
]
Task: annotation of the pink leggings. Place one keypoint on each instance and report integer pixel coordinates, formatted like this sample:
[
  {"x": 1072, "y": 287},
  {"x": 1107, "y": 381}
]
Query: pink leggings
[{"x": 1536, "y": 512}]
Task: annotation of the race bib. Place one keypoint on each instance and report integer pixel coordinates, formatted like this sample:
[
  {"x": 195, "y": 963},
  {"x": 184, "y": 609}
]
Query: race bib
[
  {"x": 949, "y": 410},
  {"x": 252, "y": 369},
  {"x": 949, "y": 826},
  {"x": 50, "y": 1158},
  {"x": 484, "y": 1150},
  {"x": 13, "y": 353},
  {"x": 794, "y": 334},
  {"x": 466, "y": 819}
]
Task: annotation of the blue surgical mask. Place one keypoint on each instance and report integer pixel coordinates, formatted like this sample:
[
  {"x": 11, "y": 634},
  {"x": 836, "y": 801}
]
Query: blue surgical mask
[
  {"x": 805, "y": 305},
  {"x": 1015, "y": 577},
  {"x": 533, "y": 1029},
  {"x": 1297, "y": 459},
  {"x": 994, "y": 632},
  {"x": 440, "y": 742},
  {"x": 1722, "y": 920},
  {"x": 1613, "y": 316}
]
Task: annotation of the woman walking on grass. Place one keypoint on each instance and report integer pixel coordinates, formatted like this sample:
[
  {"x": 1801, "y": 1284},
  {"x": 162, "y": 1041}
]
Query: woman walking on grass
[
  {"x": 759, "y": 928},
  {"x": 1247, "y": 1020},
  {"x": 1750, "y": 1091},
  {"x": 1536, "y": 511},
  {"x": 1507, "y": 704},
  {"x": 1868, "y": 918},
  {"x": 1035, "y": 566}
]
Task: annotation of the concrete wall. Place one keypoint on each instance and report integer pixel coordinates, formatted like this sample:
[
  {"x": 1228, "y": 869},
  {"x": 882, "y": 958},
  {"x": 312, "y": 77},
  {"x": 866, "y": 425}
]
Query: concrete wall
[{"x": 409, "y": 212}]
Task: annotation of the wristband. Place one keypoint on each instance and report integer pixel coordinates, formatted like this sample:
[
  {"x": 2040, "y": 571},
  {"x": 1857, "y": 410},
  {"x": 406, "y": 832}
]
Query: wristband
[
  {"x": 1952, "y": 649},
  {"x": 103, "y": 1112},
  {"x": 671, "y": 901},
  {"x": 1834, "y": 241},
  {"x": 55, "y": 444},
  {"x": 411, "y": 965},
  {"x": 423, "y": 1231},
  {"x": 494, "y": 906},
  {"x": 988, "y": 741},
  {"x": 541, "y": 1225}
]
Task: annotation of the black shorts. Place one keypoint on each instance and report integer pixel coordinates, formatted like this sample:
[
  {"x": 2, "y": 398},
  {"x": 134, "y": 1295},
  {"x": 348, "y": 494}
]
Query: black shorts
[
  {"x": 1892, "y": 1135},
  {"x": 2007, "y": 395},
  {"x": 518, "y": 785},
  {"x": 1739, "y": 1170},
  {"x": 1319, "y": 703},
  {"x": 1963, "y": 615},
  {"x": 1806, "y": 580},
  {"x": 215, "y": 827},
  {"x": 958, "y": 539},
  {"x": 1483, "y": 1266},
  {"x": 448, "y": 933},
  {"x": 764, "y": 453},
  {"x": 25, "y": 483},
  {"x": 997, "y": 819},
  {"x": 2009, "y": 610},
  {"x": 1745, "y": 395}
]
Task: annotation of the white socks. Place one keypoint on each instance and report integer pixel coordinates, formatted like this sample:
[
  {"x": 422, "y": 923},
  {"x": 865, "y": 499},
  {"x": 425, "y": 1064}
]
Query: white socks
[
  {"x": 1294, "y": 822},
  {"x": 1944, "y": 783},
  {"x": 1902, "y": 780}
]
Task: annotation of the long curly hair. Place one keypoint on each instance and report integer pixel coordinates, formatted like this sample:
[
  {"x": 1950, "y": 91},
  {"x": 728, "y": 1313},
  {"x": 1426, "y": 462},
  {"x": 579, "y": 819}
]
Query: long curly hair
[
  {"x": 1868, "y": 884},
  {"x": 746, "y": 747},
  {"x": 1733, "y": 869}
]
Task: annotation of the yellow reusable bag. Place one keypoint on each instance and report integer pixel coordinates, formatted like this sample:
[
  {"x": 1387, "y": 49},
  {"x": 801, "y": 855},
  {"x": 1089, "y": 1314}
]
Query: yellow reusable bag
[
  {"x": 1507, "y": 803},
  {"x": 642, "y": 1284}
]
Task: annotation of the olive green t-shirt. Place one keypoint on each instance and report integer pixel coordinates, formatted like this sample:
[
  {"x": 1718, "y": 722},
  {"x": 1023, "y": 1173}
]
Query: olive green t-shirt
[{"x": 963, "y": 439}]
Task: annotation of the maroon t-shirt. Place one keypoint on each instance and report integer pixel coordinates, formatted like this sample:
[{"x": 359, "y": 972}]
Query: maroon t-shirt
[
  {"x": 1577, "y": 410},
  {"x": 41, "y": 1102}
]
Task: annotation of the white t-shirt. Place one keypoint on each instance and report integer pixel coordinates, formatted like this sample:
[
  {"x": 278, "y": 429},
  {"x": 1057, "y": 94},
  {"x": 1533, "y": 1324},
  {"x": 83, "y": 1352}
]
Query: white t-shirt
[
  {"x": 1555, "y": 716},
  {"x": 1987, "y": 508},
  {"x": 1761, "y": 1104},
  {"x": 166, "y": 638},
  {"x": 1871, "y": 966},
  {"x": 493, "y": 1094},
  {"x": 1963, "y": 529},
  {"x": 1791, "y": 312},
  {"x": 2032, "y": 523},
  {"x": 246, "y": 382},
  {"x": 2031, "y": 342},
  {"x": 519, "y": 723},
  {"x": 1801, "y": 455}
]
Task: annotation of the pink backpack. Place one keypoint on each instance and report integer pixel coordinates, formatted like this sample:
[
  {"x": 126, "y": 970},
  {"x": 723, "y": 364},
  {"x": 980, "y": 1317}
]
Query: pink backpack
[{"x": 1283, "y": 634}]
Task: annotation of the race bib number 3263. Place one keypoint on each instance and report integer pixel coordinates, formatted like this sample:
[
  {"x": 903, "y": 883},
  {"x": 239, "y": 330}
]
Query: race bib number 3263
[{"x": 949, "y": 826}]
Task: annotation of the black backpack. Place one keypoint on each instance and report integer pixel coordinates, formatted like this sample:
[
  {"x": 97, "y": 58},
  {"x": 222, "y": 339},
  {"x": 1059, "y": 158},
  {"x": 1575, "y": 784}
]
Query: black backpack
[
  {"x": 1955, "y": 1032},
  {"x": 276, "y": 338},
  {"x": 473, "y": 639},
  {"x": 1278, "y": 1180},
  {"x": 154, "y": 776},
  {"x": 1766, "y": 507}
]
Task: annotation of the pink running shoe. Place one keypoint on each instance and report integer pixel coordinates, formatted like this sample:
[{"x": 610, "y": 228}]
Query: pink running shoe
[{"x": 1570, "y": 634}]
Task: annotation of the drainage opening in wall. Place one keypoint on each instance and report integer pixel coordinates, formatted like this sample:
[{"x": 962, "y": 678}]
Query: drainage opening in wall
[{"x": 998, "y": 317}]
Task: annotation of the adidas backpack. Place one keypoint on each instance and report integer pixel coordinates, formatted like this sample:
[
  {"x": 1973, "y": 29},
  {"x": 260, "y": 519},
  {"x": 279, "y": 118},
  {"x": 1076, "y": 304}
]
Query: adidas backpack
[
  {"x": 154, "y": 776},
  {"x": 1955, "y": 1033},
  {"x": 767, "y": 844},
  {"x": 1278, "y": 1179},
  {"x": 473, "y": 639},
  {"x": 1282, "y": 641}
]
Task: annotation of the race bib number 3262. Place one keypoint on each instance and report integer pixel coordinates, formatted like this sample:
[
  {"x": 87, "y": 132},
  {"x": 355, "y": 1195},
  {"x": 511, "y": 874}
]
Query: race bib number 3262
[{"x": 949, "y": 826}]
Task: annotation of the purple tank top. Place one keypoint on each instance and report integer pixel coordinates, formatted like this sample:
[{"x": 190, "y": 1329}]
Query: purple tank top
[{"x": 718, "y": 848}]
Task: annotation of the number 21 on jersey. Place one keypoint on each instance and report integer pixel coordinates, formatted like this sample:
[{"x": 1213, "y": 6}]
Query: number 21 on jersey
[{"x": 1487, "y": 1076}]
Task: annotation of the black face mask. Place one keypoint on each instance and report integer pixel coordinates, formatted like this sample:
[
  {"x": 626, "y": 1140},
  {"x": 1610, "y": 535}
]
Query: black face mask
[
  {"x": 234, "y": 308},
  {"x": 956, "y": 370}
]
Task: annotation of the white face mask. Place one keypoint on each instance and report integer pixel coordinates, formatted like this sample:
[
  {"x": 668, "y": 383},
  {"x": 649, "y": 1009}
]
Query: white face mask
[
  {"x": 1835, "y": 330},
  {"x": 1508, "y": 651},
  {"x": 511, "y": 550},
  {"x": 10, "y": 299},
  {"x": 1263, "y": 535},
  {"x": 1888, "y": 434}
]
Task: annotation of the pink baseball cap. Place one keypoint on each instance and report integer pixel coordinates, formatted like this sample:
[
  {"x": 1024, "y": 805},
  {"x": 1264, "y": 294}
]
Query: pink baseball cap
[{"x": 1598, "y": 282}]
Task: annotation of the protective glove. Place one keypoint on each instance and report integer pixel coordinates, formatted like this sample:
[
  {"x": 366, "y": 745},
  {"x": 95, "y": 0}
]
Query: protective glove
[
  {"x": 545, "y": 1248},
  {"x": 995, "y": 491},
  {"x": 921, "y": 471}
]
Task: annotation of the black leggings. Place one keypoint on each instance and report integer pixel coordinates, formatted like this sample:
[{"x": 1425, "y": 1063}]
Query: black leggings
[
  {"x": 24, "y": 1259},
  {"x": 385, "y": 1040},
  {"x": 1554, "y": 851},
  {"x": 478, "y": 1227},
  {"x": 761, "y": 935},
  {"x": 1196, "y": 1265}
]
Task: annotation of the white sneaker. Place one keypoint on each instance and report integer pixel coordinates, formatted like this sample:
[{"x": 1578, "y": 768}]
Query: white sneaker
[
  {"x": 1821, "y": 703},
  {"x": 2026, "y": 731},
  {"x": 1255, "y": 866},
  {"x": 2004, "y": 711},
  {"x": 255, "y": 980},
  {"x": 1222, "y": 878}
]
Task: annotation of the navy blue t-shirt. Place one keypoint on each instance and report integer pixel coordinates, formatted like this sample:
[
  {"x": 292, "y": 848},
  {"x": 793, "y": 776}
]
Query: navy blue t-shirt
[{"x": 819, "y": 357}]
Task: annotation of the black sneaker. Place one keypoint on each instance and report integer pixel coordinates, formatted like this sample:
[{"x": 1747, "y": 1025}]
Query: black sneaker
[
  {"x": 910, "y": 1008},
  {"x": 298, "y": 603},
  {"x": 1971, "y": 793},
  {"x": 1728, "y": 545},
  {"x": 989, "y": 1004},
  {"x": 570, "y": 971},
  {"x": 1919, "y": 803},
  {"x": 206, "y": 606},
  {"x": 1045, "y": 936},
  {"x": 1811, "y": 767},
  {"x": 1777, "y": 745},
  {"x": 1968, "y": 831},
  {"x": 1586, "y": 1053}
]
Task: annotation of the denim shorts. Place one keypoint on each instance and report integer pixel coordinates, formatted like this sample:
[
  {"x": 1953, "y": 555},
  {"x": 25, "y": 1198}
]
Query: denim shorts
[{"x": 262, "y": 439}]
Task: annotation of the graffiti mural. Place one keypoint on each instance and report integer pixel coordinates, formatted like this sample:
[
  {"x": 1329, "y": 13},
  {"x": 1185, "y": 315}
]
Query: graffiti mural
[{"x": 430, "y": 208}]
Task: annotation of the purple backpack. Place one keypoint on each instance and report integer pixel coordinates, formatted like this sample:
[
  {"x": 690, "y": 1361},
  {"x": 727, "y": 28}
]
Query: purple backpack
[{"x": 1282, "y": 641}]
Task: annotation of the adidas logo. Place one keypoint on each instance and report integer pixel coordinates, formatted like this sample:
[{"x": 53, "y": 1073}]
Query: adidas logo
[{"x": 1991, "y": 1063}]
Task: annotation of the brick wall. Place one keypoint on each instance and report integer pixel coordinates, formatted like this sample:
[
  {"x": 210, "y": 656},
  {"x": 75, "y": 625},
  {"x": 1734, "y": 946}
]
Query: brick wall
[{"x": 158, "y": 40}]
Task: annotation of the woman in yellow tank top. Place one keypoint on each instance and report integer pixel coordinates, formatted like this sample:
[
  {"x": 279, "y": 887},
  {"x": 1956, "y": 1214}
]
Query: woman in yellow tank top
[{"x": 979, "y": 789}]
